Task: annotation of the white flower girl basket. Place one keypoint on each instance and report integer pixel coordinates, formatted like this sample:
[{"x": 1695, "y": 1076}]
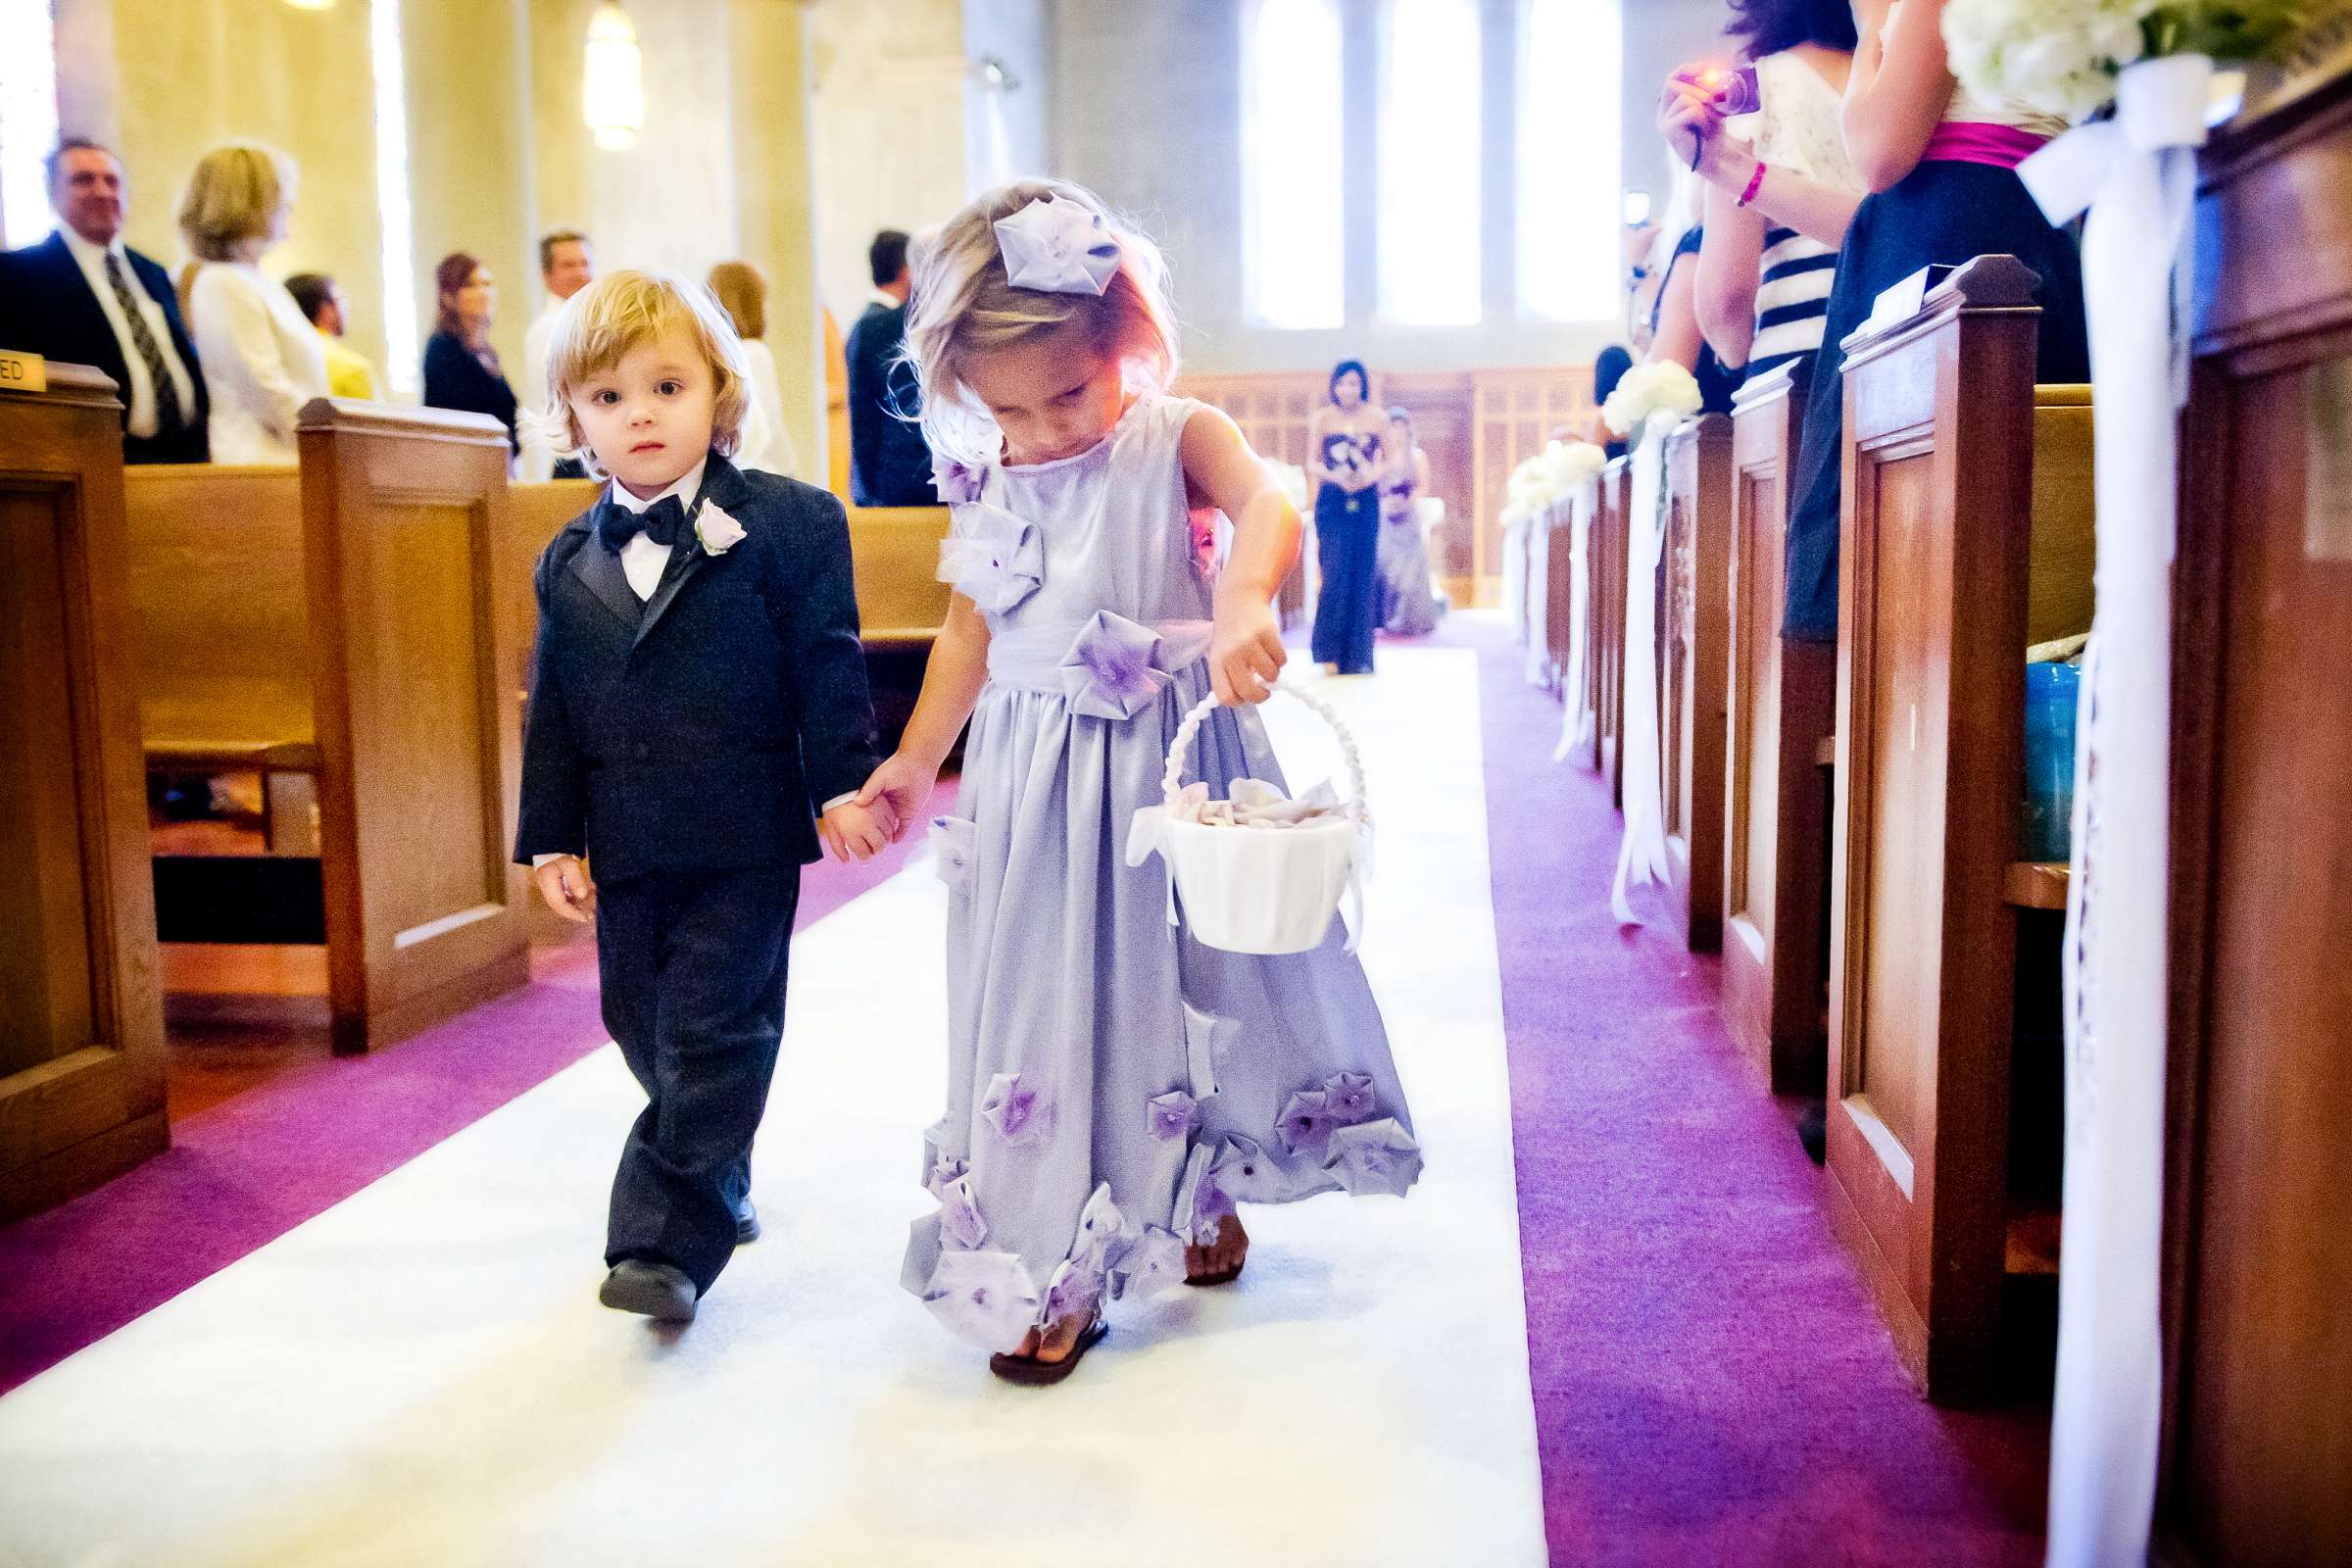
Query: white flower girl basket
[{"x": 1262, "y": 874}]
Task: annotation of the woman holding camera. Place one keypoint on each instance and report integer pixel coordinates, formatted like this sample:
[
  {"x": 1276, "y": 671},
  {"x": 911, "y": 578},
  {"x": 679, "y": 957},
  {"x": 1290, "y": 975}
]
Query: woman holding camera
[{"x": 1780, "y": 187}]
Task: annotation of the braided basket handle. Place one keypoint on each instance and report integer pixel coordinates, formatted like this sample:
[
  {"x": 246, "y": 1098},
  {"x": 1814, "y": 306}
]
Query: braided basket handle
[{"x": 1179, "y": 749}]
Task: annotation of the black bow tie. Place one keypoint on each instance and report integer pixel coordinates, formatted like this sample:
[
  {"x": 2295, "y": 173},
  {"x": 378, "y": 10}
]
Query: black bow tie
[{"x": 615, "y": 523}]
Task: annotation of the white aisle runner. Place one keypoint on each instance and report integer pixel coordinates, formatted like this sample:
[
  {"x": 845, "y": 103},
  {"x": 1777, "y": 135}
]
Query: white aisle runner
[{"x": 421, "y": 1375}]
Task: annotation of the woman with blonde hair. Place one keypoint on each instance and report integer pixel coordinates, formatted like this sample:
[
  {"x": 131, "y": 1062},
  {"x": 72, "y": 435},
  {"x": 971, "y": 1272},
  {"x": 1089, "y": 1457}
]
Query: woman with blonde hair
[
  {"x": 741, "y": 290},
  {"x": 262, "y": 360}
]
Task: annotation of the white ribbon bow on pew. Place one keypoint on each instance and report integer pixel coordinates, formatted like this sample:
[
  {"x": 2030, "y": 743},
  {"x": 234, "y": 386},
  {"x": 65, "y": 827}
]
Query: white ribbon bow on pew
[{"x": 2136, "y": 176}]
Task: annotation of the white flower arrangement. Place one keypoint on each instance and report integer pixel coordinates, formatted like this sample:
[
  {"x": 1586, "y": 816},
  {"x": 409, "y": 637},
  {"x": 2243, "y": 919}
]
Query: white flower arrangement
[
  {"x": 1571, "y": 462},
  {"x": 1660, "y": 387},
  {"x": 2063, "y": 56}
]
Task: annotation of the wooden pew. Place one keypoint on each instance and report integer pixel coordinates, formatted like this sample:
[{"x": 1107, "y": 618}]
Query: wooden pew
[
  {"x": 2258, "y": 1265},
  {"x": 1692, "y": 670},
  {"x": 1923, "y": 945},
  {"x": 81, "y": 1027},
  {"x": 1557, "y": 595},
  {"x": 1781, "y": 708},
  {"x": 901, "y": 601},
  {"x": 352, "y": 621},
  {"x": 1605, "y": 663}
]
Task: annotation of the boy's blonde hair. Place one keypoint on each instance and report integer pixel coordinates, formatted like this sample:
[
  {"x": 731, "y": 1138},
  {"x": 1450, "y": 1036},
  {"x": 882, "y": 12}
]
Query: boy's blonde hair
[
  {"x": 235, "y": 195},
  {"x": 613, "y": 314},
  {"x": 963, "y": 305}
]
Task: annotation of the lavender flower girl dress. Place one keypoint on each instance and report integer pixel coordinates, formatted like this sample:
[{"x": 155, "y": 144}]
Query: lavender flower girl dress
[{"x": 1114, "y": 1087}]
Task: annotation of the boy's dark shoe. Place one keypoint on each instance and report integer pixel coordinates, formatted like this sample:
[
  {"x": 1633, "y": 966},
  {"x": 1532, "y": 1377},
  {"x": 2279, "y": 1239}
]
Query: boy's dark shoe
[
  {"x": 747, "y": 1224},
  {"x": 649, "y": 1290}
]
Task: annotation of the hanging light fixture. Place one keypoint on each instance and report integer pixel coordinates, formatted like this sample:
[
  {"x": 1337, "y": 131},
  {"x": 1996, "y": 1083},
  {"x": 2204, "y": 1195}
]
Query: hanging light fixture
[{"x": 614, "y": 89}]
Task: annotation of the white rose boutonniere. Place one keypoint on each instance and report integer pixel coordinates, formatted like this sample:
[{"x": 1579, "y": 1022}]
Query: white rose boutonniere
[{"x": 718, "y": 532}]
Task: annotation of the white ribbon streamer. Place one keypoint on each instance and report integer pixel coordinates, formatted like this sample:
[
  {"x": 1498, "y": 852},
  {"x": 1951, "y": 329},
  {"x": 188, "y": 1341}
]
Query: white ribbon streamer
[
  {"x": 1642, "y": 856},
  {"x": 1539, "y": 608},
  {"x": 1514, "y": 577},
  {"x": 2136, "y": 175},
  {"x": 1576, "y": 722}
]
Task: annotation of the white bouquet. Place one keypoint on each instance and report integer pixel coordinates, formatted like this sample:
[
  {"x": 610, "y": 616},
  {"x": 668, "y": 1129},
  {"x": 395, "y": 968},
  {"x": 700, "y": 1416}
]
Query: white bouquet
[
  {"x": 1571, "y": 462},
  {"x": 1660, "y": 387},
  {"x": 2063, "y": 56}
]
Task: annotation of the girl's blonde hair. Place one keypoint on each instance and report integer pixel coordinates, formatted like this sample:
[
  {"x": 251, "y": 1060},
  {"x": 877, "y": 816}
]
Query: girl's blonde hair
[
  {"x": 741, "y": 290},
  {"x": 964, "y": 306},
  {"x": 603, "y": 322},
  {"x": 235, "y": 195}
]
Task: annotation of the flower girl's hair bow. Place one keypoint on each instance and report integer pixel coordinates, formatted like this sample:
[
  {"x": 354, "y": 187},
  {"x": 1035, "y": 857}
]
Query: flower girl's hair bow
[{"x": 1058, "y": 246}]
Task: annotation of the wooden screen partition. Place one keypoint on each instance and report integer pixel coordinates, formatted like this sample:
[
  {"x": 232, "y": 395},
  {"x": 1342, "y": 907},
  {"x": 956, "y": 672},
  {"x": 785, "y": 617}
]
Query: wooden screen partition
[
  {"x": 1782, "y": 706},
  {"x": 81, "y": 1027},
  {"x": 2257, "y": 1455},
  {"x": 1692, "y": 670},
  {"x": 420, "y": 747},
  {"x": 1932, "y": 623},
  {"x": 1476, "y": 425}
]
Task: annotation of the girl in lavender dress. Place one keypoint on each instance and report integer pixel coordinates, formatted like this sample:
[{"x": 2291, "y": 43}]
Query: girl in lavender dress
[{"x": 1115, "y": 1086}]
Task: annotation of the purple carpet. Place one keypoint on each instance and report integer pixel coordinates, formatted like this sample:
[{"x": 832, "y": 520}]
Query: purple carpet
[
  {"x": 244, "y": 1172},
  {"x": 1711, "y": 1383}
]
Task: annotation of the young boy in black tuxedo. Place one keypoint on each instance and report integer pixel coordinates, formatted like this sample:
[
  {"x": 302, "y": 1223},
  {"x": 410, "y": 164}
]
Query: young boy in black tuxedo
[{"x": 698, "y": 719}]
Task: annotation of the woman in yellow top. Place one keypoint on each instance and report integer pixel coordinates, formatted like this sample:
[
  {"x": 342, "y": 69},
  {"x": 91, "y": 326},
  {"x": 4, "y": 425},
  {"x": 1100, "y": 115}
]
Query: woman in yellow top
[{"x": 347, "y": 373}]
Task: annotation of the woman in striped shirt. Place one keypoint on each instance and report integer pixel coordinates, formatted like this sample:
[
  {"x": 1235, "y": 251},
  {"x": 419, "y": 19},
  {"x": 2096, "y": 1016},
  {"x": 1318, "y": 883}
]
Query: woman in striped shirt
[{"x": 1780, "y": 186}]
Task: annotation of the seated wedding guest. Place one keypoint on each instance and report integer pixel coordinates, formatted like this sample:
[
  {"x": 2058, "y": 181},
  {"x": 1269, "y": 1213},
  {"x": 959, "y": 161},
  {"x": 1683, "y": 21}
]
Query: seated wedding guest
[
  {"x": 741, "y": 290},
  {"x": 567, "y": 266},
  {"x": 1781, "y": 188},
  {"x": 1608, "y": 369},
  {"x": 1941, "y": 168},
  {"x": 1673, "y": 331},
  {"x": 320, "y": 297},
  {"x": 890, "y": 463},
  {"x": 460, "y": 367},
  {"x": 82, "y": 297},
  {"x": 262, "y": 360}
]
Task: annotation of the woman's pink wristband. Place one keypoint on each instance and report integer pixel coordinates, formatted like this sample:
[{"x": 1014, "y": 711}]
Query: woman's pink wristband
[{"x": 1755, "y": 183}]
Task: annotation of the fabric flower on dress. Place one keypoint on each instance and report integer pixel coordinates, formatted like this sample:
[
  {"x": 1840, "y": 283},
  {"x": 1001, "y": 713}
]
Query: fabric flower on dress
[
  {"x": 994, "y": 559},
  {"x": 959, "y": 1223},
  {"x": 1150, "y": 1263},
  {"x": 1102, "y": 1227},
  {"x": 1015, "y": 1111},
  {"x": 1058, "y": 246},
  {"x": 1075, "y": 1291},
  {"x": 952, "y": 839},
  {"x": 935, "y": 1153},
  {"x": 1208, "y": 1041},
  {"x": 1200, "y": 1203},
  {"x": 1374, "y": 1158},
  {"x": 1173, "y": 1115},
  {"x": 1113, "y": 668},
  {"x": 1245, "y": 1173},
  {"x": 943, "y": 1171},
  {"x": 956, "y": 480},
  {"x": 1307, "y": 1123},
  {"x": 986, "y": 1297},
  {"x": 1349, "y": 1096}
]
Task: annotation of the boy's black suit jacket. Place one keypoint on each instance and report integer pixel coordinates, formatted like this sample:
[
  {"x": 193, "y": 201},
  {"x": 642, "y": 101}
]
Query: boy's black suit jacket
[{"x": 700, "y": 729}]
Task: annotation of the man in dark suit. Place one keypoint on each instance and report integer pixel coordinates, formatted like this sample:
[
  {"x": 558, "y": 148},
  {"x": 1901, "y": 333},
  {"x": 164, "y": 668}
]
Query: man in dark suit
[
  {"x": 890, "y": 465},
  {"x": 82, "y": 297}
]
